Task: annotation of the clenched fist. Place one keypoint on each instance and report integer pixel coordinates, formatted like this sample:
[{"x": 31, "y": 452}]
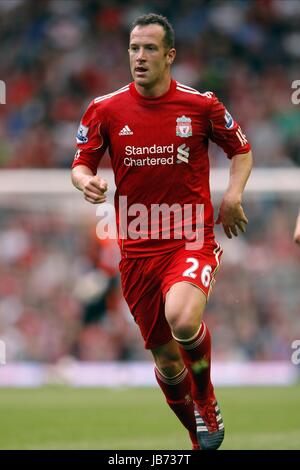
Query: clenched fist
[{"x": 94, "y": 189}]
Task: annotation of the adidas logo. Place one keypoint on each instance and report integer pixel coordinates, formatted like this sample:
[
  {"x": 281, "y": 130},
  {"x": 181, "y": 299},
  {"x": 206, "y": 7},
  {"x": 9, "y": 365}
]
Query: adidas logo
[{"x": 126, "y": 131}]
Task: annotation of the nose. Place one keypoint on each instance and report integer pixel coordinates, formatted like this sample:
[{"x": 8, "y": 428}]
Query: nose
[{"x": 140, "y": 56}]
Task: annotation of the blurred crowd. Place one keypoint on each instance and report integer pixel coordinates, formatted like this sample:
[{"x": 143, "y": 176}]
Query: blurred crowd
[
  {"x": 56, "y": 55},
  {"x": 60, "y": 291}
]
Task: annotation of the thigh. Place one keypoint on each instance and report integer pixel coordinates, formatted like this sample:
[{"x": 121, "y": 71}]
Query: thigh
[
  {"x": 184, "y": 305},
  {"x": 142, "y": 291},
  {"x": 196, "y": 267}
]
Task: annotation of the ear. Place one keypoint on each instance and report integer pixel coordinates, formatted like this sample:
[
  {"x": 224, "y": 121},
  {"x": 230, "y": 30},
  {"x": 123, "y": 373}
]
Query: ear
[{"x": 171, "y": 56}]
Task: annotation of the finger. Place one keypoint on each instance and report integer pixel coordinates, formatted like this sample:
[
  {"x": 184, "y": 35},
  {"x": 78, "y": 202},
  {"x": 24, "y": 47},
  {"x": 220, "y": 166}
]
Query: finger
[
  {"x": 243, "y": 217},
  {"x": 94, "y": 201},
  {"x": 227, "y": 231},
  {"x": 94, "y": 195},
  {"x": 99, "y": 189},
  {"x": 90, "y": 189},
  {"x": 233, "y": 230},
  {"x": 95, "y": 183},
  {"x": 103, "y": 185},
  {"x": 241, "y": 226},
  {"x": 98, "y": 183},
  {"x": 89, "y": 199}
]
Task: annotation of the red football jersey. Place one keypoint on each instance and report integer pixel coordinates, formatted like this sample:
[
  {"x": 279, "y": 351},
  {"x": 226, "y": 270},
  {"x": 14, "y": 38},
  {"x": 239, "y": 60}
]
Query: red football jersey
[{"x": 159, "y": 153}]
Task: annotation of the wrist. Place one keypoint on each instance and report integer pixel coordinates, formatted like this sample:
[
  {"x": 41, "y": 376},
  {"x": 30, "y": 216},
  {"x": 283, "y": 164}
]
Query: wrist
[
  {"x": 81, "y": 181},
  {"x": 233, "y": 196}
]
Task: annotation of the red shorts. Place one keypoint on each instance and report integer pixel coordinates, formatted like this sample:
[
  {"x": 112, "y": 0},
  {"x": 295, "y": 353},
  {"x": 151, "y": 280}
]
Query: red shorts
[{"x": 145, "y": 282}]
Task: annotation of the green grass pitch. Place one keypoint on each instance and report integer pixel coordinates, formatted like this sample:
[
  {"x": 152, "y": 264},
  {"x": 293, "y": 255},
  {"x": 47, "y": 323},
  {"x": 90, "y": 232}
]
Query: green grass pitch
[{"x": 67, "y": 418}]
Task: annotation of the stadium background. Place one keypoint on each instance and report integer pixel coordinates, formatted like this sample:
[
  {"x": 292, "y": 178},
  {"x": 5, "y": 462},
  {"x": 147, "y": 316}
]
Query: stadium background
[{"x": 60, "y": 298}]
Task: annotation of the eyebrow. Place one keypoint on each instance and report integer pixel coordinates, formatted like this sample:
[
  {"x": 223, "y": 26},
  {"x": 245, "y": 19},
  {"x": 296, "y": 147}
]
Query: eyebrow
[{"x": 145, "y": 45}]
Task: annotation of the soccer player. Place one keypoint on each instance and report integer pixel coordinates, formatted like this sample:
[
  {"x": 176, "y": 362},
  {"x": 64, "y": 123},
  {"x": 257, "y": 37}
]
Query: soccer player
[
  {"x": 297, "y": 230},
  {"x": 157, "y": 131}
]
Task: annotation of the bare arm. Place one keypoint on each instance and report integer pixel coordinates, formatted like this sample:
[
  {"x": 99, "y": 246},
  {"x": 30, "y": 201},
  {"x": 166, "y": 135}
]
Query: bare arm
[
  {"x": 297, "y": 230},
  {"x": 92, "y": 186},
  {"x": 231, "y": 214}
]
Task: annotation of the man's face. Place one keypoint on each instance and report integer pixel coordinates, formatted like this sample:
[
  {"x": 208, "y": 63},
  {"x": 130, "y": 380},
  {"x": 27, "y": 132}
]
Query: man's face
[{"x": 149, "y": 59}]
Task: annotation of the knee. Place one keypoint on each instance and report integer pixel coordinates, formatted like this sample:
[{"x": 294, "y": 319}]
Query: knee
[{"x": 184, "y": 323}]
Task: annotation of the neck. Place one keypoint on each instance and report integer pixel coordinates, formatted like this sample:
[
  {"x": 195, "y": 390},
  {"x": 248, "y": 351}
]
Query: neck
[{"x": 154, "y": 91}]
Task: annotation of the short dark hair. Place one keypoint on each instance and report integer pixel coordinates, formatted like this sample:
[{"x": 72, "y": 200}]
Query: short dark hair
[{"x": 153, "y": 18}]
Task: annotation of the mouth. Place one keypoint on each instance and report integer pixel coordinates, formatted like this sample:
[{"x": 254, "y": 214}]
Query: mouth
[{"x": 140, "y": 70}]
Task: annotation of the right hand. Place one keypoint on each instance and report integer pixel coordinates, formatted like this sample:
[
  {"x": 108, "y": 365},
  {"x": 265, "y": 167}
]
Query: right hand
[{"x": 94, "y": 189}]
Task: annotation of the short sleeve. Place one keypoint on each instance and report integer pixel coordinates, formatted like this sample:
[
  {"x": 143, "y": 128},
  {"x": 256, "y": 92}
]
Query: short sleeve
[
  {"x": 224, "y": 130},
  {"x": 91, "y": 138}
]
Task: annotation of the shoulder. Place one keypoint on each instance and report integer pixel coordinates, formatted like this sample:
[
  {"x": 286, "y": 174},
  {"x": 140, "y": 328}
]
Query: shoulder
[
  {"x": 111, "y": 98},
  {"x": 98, "y": 107},
  {"x": 207, "y": 100},
  {"x": 192, "y": 92}
]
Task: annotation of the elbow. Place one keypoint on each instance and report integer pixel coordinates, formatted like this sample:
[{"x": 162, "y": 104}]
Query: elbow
[
  {"x": 250, "y": 156},
  {"x": 76, "y": 177},
  {"x": 246, "y": 157}
]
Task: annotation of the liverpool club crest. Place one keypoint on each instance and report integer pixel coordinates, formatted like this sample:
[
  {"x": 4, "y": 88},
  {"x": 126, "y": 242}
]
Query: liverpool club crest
[{"x": 183, "y": 127}]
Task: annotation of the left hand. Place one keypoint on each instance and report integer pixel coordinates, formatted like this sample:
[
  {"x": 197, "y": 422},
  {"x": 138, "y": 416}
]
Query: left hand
[{"x": 232, "y": 217}]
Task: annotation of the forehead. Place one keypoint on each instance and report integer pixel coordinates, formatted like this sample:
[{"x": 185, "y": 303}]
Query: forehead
[{"x": 149, "y": 34}]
